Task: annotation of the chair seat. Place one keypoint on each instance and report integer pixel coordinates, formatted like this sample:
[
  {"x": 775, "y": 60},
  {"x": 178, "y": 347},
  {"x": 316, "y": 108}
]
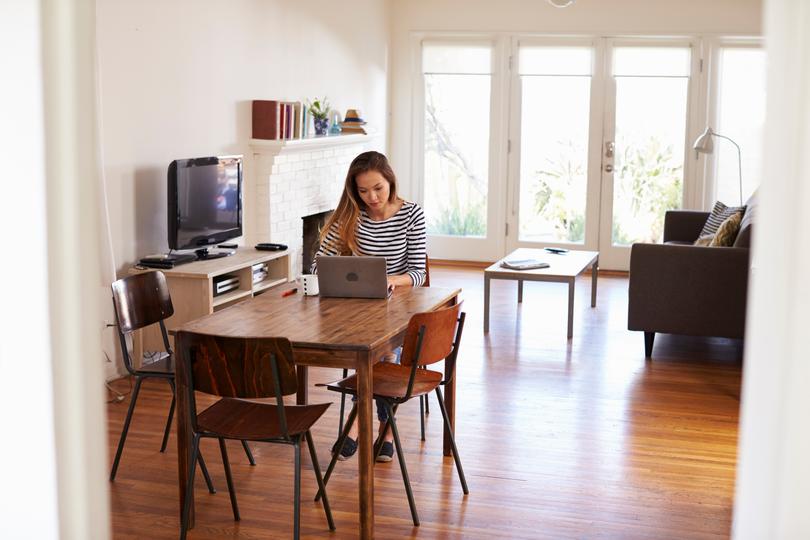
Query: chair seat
[
  {"x": 248, "y": 420},
  {"x": 391, "y": 380},
  {"x": 163, "y": 367}
]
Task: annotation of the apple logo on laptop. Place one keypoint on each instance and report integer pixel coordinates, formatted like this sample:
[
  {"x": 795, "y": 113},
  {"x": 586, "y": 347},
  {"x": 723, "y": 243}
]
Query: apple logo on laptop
[{"x": 351, "y": 276}]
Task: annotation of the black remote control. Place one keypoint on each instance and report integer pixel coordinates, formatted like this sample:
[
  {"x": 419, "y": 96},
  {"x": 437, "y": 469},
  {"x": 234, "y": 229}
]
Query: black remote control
[
  {"x": 228, "y": 246},
  {"x": 270, "y": 246}
]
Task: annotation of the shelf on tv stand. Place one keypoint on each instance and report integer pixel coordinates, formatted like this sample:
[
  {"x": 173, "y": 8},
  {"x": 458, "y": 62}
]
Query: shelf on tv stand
[{"x": 191, "y": 286}]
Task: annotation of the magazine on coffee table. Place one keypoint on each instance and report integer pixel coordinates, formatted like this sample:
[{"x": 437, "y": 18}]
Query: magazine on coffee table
[{"x": 524, "y": 264}]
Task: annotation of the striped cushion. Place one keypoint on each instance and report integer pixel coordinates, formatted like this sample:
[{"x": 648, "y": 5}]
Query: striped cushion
[{"x": 719, "y": 214}]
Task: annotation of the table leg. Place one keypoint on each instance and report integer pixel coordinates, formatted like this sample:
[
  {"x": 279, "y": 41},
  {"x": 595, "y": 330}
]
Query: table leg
[
  {"x": 302, "y": 396},
  {"x": 486, "y": 303},
  {"x": 365, "y": 448},
  {"x": 183, "y": 437},
  {"x": 450, "y": 406},
  {"x": 595, "y": 274},
  {"x": 520, "y": 291},
  {"x": 571, "y": 284}
]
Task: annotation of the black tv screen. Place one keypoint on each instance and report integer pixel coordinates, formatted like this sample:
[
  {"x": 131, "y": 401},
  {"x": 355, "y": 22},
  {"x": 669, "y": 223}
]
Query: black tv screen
[{"x": 204, "y": 201}]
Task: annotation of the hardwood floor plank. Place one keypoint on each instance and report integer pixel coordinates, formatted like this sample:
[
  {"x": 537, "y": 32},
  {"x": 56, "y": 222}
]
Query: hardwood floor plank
[{"x": 559, "y": 439}]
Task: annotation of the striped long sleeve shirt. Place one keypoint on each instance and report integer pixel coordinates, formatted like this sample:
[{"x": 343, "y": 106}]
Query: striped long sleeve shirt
[{"x": 400, "y": 239}]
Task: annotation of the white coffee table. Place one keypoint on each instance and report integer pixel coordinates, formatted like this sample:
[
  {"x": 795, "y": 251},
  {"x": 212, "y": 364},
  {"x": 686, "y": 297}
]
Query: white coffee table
[{"x": 563, "y": 268}]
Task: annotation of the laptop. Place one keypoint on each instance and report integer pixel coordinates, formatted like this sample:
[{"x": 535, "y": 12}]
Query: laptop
[{"x": 352, "y": 277}]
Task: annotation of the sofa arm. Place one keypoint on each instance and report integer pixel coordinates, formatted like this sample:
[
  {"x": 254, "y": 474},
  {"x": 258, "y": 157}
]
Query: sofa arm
[
  {"x": 683, "y": 225},
  {"x": 690, "y": 290}
]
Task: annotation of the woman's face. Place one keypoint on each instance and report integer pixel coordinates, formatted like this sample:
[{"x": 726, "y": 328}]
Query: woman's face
[{"x": 373, "y": 189}]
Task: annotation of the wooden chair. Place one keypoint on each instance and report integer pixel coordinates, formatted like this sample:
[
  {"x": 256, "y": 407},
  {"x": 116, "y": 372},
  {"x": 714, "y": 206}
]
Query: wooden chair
[
  {"x": 246, "y": 368},
  {"x": 142, "y": 300},
  {"x": 431, "y": 337}
]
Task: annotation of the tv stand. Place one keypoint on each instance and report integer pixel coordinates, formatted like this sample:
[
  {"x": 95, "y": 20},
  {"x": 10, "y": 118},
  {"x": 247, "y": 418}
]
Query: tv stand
[
  {"x": 192, "y": 287},
  {"x": 204, "y": 255}
]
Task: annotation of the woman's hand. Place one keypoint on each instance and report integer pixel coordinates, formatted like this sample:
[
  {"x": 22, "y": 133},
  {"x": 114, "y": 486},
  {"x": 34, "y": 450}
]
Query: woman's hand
[{"x": 391, "y": 284}]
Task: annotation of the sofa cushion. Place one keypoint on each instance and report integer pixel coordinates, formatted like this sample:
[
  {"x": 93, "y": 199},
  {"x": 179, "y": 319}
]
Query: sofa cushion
[
  {"x": 719, "y": 214},
  {"x": 727, "y": 232}
]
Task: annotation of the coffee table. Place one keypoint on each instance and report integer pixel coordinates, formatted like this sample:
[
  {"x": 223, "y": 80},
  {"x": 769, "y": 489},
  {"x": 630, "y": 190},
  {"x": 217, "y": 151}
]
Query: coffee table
[{"x": 563, "y": 268}]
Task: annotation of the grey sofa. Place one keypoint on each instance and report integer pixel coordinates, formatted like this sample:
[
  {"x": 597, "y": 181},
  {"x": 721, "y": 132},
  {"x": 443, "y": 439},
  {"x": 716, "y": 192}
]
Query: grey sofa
[{"x": 679, "y": 288}]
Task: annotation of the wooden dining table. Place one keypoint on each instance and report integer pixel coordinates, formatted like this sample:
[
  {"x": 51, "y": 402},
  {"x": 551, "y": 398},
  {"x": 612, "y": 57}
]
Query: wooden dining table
[{"x": 349, "y": 333}]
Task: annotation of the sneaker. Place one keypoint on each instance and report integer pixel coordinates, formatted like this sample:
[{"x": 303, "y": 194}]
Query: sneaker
[
  {"x": 348, "y": 450},
  {"x": 386, "y": 452}
]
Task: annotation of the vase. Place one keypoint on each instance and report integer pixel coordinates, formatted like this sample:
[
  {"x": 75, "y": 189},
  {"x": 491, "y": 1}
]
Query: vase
[{"x": 321, "y": 126}]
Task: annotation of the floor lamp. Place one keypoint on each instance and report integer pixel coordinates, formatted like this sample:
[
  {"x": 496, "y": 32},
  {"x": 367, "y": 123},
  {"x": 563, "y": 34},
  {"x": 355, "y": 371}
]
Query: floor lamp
[{"x": 705, "y": 145}]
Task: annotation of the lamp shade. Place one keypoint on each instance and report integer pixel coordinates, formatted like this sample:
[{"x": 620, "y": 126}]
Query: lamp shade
[{"x": 704, "y": 143}]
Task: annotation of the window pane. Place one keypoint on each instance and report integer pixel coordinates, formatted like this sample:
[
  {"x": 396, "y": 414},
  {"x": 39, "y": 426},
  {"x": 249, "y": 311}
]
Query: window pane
[
  {"x": 648, "y": 170},
  {"x": 556, "y": 61},
  {"x": 554, "y": 158},
  {"x": 453, "y": 58},
  {"x": 456, "y": 154},
  {"x": 651, "y": 61},
  {"x": 741, "y": 116}
]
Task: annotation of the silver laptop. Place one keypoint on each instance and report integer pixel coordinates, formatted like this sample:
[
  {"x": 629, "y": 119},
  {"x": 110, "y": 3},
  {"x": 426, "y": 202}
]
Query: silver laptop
[{"x": 352, "y": 277}]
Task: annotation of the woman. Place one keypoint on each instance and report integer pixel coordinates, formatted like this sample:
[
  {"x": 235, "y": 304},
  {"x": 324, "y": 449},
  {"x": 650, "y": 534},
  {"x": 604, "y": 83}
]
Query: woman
[{"x": 371, "y": 219}]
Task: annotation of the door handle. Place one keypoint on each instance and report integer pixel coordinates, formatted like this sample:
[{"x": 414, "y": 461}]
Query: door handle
[{"x": 609, "y": 168}]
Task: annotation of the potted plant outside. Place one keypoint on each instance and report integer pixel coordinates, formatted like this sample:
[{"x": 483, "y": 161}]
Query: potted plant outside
[{"x": 319, "y": 108}]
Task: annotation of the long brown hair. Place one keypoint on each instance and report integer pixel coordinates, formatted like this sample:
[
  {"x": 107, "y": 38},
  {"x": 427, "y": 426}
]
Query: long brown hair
[{"x": 348, "y": 209}]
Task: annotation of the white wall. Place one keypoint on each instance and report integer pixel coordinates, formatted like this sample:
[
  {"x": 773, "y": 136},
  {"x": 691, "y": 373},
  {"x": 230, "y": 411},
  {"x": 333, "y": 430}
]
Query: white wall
[
  {"x": 592, "y": 17},
  {"x": 177, "y": 78},
  {"x": 773, "y": 474},
  {"x": 28, "y": 500}
]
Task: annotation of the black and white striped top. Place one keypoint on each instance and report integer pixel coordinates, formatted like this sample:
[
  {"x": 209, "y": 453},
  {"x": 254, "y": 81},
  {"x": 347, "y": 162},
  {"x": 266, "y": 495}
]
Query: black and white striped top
[{"x": 400, "y": 239}]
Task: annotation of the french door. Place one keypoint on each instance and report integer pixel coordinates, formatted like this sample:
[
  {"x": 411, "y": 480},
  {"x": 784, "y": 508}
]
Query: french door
[
  {"x": 599, "y": 130},
  {"x": 569, "y": 142}
]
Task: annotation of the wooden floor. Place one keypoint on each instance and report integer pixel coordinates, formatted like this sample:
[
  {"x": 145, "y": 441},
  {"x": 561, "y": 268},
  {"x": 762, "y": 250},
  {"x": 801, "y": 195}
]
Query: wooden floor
[{"x": 559, "y": 439}]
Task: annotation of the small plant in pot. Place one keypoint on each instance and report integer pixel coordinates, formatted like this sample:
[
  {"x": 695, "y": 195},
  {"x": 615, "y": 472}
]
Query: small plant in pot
[{"x": 319, "y": 108}]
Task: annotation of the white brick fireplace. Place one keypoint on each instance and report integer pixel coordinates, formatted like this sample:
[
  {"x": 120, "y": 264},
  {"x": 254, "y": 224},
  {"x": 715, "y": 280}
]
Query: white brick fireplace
[{"x": 297, "y": 178}]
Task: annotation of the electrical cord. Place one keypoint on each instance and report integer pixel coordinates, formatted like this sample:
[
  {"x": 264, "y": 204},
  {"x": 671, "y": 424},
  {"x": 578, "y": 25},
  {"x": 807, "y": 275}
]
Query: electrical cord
[{"x": 117, "y": 397}]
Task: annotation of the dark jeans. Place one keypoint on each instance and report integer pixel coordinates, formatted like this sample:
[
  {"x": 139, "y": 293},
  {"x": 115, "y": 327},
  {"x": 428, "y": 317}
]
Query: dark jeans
[{"x": 382, "y": 414}]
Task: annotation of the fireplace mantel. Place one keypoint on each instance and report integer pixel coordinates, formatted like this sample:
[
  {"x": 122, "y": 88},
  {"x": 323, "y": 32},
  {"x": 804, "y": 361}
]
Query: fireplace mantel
[{"x": 309, "y": 143}]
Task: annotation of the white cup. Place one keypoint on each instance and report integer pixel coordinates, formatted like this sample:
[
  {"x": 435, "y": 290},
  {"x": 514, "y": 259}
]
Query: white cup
[{"x": 310, "y": 284}]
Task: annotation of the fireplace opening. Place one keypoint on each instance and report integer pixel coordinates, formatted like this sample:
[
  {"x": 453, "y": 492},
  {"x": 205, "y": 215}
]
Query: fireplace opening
[{"x": 312, "y": 230}]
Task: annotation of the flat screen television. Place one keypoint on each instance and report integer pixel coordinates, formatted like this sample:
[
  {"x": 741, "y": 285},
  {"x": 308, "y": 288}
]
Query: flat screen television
[{"x": 204, "y": 201}]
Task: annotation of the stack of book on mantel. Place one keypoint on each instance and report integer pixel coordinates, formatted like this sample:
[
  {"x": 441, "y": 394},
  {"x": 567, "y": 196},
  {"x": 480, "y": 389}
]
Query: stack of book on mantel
[
  {"x": 352, "y": 123},
  {"x": 274, "y": 119}
]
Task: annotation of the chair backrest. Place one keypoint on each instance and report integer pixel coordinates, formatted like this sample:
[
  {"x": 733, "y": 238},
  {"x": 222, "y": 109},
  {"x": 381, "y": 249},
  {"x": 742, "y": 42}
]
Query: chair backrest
[
  {"x": 248, "y": 368},
  {"x": 437, "y": 337},
  {"x": 141, "y": 300}
]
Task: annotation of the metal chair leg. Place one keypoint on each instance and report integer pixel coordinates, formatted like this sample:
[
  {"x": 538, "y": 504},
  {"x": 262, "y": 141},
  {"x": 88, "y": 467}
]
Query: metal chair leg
[
  {"x": 192, "y": 469},
  {"x": 401, "y": 456},
  {"x": 456, "y": 458},
  {"x": 338, "y": 448},
  {"x": 297, "y": 490},
  {"x": 342, "y": 405},
  {"x": 227, "y": 466},
  {"x": 124, "y": 431},
  {"x": 321, "y": 487},
  {"x": 427, "y": 403},
  {"x": 249, "y": 454},
  {"x": 422, "y": 415},
  {"x": 205, "y": 474},
  {"x": 168, "y": 420}
]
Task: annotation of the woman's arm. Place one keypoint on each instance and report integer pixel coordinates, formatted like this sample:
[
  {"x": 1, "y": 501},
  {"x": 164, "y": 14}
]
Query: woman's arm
[{"x": 417, "y": 238}]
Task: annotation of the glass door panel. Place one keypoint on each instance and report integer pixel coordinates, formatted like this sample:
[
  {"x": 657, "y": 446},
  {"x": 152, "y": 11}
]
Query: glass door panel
[
  {"x": 555, "y": 89},
  {"x": 740, "y": 116},
  {"x": 648, "y": 177},
  {"x": 456, "y": 154}
]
